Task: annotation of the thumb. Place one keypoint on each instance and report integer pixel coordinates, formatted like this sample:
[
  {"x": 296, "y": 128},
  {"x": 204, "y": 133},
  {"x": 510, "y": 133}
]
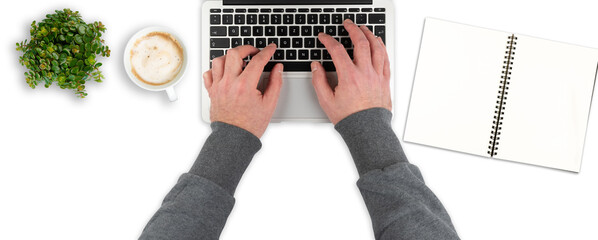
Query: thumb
[
  {"x": 274, "y": 85},
  {"x": 320, "y": 83}
]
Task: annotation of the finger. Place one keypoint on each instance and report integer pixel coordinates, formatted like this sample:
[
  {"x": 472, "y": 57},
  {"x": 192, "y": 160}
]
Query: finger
[
  {"x": 362, "y": 55},
  {"x": 320, "y": 82},
  {"x": 254, "y": 69},
  {"x": 386, "y": 70},
  {"x": 234, "y": 59},
  {"x": 377, "y": 49},
  {"x": 207, "y": 79},
  {"x": 272, "y": 92},
  {"x": 337, "y": 51},
  {"x": 218, "y": 68}
]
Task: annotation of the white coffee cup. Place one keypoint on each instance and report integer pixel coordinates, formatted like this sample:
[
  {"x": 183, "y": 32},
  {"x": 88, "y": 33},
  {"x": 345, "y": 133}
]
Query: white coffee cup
[{"x": 169, "y": 86}]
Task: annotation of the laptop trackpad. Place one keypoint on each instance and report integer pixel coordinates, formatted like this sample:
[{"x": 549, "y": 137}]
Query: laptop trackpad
[{"x": 298, "y": 100}]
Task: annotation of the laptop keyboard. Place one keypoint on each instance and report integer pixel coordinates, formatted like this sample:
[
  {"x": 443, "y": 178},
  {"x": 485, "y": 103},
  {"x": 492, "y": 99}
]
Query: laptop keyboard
[{"x": 294, "y": 30}]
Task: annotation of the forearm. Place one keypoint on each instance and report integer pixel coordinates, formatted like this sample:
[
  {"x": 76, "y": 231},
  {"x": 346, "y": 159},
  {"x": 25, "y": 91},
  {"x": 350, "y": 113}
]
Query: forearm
[
  {"x": 401, "y": 206},
  {"x": 199, "y": 204}
]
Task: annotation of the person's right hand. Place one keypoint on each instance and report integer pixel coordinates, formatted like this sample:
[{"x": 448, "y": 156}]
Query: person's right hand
[{"x": 362, "y": 84}]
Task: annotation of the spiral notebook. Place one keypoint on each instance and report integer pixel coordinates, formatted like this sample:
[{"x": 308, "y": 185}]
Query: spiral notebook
[{"x": 501, "y": 95}]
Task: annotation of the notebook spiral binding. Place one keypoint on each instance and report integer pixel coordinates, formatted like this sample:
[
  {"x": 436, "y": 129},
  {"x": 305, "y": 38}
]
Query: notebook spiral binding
[{"x": 503, "y": 91}]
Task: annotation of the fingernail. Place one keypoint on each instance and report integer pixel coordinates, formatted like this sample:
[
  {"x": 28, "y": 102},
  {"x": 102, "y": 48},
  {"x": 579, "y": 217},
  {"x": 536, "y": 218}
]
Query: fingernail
[
  {"x": 205, "y": 75},
  {"x": 349, "y": 20},
  {"x": 314, "y": 66},
  {"x": 281, "y": 67}
]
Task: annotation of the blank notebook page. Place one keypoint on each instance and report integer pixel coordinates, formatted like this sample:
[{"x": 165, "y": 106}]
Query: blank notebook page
[
  {"x": 548, "y": 103},
  {"x": 456, "y": 84},
  {"x": 457, "y": 89}
]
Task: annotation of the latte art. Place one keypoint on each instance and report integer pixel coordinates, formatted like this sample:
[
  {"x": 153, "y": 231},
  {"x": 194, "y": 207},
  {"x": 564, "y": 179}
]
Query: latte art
[{"x": 156, "y": 58}]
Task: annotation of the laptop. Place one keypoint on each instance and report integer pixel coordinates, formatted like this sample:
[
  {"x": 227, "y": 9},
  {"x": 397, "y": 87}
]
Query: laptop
[{"x": 294, "y": 26}]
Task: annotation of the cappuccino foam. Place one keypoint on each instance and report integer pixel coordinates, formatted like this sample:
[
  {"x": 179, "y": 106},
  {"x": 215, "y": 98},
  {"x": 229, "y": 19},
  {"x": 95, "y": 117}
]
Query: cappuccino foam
[{"x": 156, "y": 58}]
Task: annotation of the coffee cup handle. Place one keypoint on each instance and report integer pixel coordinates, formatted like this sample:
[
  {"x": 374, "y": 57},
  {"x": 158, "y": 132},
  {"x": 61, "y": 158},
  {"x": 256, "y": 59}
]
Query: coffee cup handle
[{"x": 171, "y": 94}]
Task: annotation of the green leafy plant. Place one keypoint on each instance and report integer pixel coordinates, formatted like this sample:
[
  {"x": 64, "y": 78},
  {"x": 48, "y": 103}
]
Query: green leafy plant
[{"x": 63, "y": 50}]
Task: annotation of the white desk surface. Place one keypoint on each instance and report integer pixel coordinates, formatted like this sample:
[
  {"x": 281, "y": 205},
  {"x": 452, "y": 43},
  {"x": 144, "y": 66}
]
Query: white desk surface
[{"x": 99, "y": 168}]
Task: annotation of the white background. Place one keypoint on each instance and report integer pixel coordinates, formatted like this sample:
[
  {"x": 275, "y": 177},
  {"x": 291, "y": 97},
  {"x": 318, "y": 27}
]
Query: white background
[{"x": 98, "y": 168}]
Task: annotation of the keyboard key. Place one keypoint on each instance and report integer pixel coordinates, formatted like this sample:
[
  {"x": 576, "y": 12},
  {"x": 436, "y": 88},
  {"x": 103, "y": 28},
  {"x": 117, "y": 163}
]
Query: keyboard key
[
  {"x": 380, "y": 31},
  {"x": 337, "y": 18},
  {"x": 214, "y": 10},
  {"x": 326, "y": 55},
  {"x": 240, "y": 10},
  {"x": 297, "y": 42},
  {"x": 366, "y": 10},
  {"x": 328, "y": 9},
  {"x": 316, "y": 54},
  {"x": 341, "y": 9},
  {"x": 258, "y": 31},
  {"x": 278, "y": 10},
  {"x": 370, "y": 27},
  {"x": 285, "y": 43},
  {"x": 312, "y": 19},
  {"x": 309, "y": 42},
  {"x": 248, "y": 41},
  {"x": 273, "y": 40},
  {"x": 319, "y": 44},
  {"x": 287, "y": 19},
  {"x": 294, "y": 31},
  {"x": 235, "y": 42},
  {"x": 276, "y": 18},
  {"x": 253, "y": 10},
  {"x": 214, "y": 19},
  {"x": 379, "y": 9},
  {"x": 260, "y": 43},
  {"x": 281, "y": 31},
  {"x": 219, "y": 42},
  {"x": 216, "y": 53},
  {"x": 300, "y": 19},
  {"x": 316, "y": 10},
  {"x": 329, "y": 66},
  {"x": 303, "y": 55},
  {"x": 306, "y": 31},
  {"x": 353, "y": 9},
  {"x": 228, "y": 10},
  {"x": 264, "y": 19},
  {"x": 279, "y": 55},
  {"x": 218, "y": 31},
  {"x": 350, "y": 16},
  {"x": 270, "y": 31},
  {"x": 342, "y": 31},
  {"x": 346, "y": 42},
  {"x": 361, "y": 19},
  {"x": 233, "y": 31},
  {"x": 377, "y": 18},
  {"x": 265, "y": 10},
  {"x": 304, "y": 66},
  {"x": 324, "y": 18},
  {"x": 245, "y": 31},
  {"x": 318, "y": 29},
  {"x": 252, "y": 19},
  {"x": 303, "y": 9},
  {"x": 350, "y": 53},
  {"x": 290, "y": 10},
  {"x": 291, "y": 54},
  {"x": 331, "y": 30},
  {"x": 227, "y": 19}
]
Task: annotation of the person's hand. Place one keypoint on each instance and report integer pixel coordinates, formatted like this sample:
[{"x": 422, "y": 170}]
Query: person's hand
[
  {"x": 233, "y": 91},
  {"x": 363, "y": 83}
]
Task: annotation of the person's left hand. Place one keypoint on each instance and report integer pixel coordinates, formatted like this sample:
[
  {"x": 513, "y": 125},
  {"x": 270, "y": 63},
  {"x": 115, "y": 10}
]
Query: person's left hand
[{"x": 233, "y": 91}]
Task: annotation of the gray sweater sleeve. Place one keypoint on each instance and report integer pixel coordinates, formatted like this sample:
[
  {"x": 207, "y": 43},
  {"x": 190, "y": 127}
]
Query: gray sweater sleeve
[
  {"x": 199, "y": 204},
  {"x": 400, "y": 204}
]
